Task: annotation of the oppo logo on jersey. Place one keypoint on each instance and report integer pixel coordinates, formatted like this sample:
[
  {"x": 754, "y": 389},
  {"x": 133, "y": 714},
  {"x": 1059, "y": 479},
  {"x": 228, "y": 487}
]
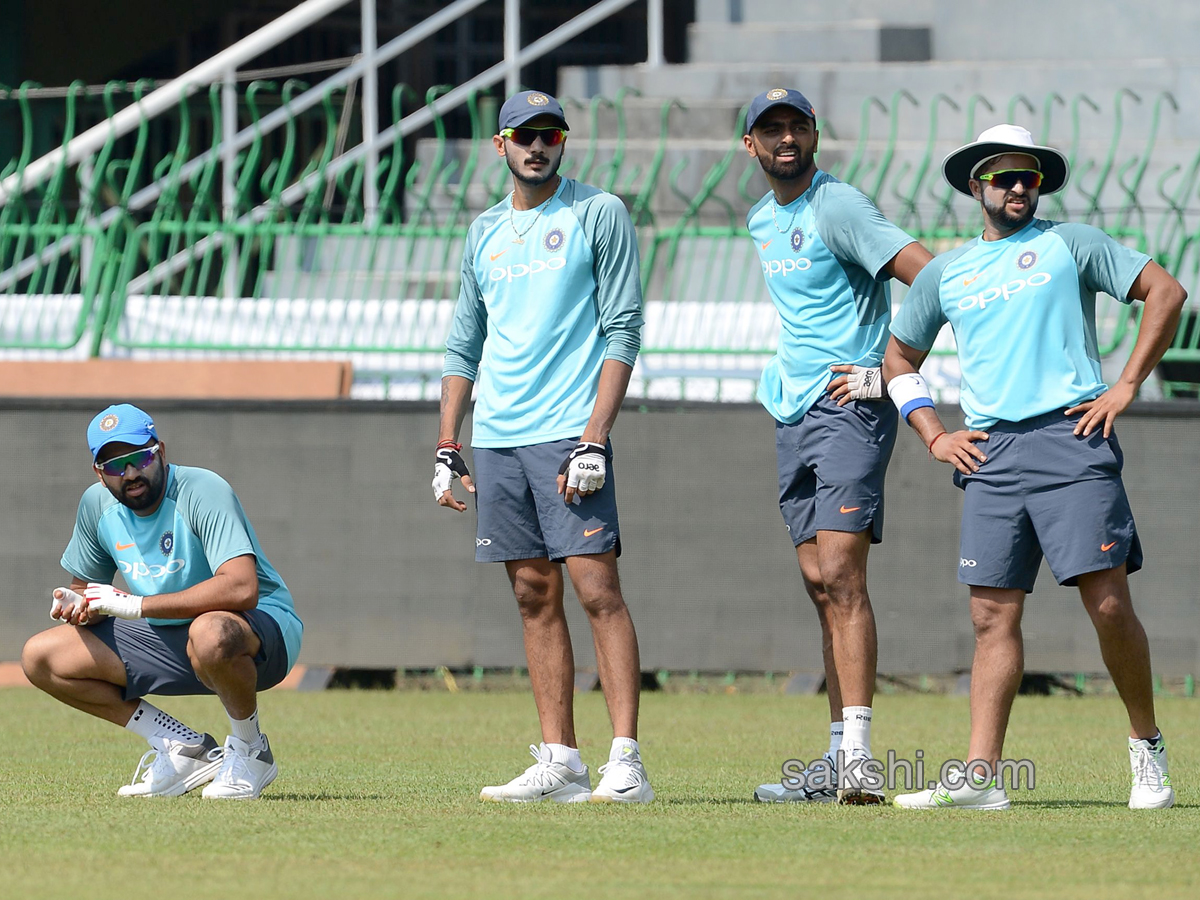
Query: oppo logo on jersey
[
  {"x": 141, "y": 570},
  {"x": 774, "y": 267},
  {"x": 990, "y": 295},
  {"x": 520, "y": 270}
]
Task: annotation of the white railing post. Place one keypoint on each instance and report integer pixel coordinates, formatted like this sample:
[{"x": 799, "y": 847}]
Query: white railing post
[
  {"x": 512, "y": 46},
  {"x": 654, "y": 34},
  {"x": 370, "y": 113},
  {"x": 229, "y": 129}
]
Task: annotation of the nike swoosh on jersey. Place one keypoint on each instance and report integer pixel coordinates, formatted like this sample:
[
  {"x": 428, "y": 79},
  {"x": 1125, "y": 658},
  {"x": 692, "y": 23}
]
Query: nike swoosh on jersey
[
  {"x": 969, "y": 281},
  {"x": 496, "y": 256},
  {"x": 767, "y": 244},
  {"x": 125, "y": 546},
  {"x": 587, "y": 533}
]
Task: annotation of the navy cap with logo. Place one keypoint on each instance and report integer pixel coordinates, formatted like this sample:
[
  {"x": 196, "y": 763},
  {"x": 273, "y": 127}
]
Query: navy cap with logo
[
  {"x": 520, "y": 108},
  {"x": 124, "y": 423},
  {"x": 777, "y": 97}
]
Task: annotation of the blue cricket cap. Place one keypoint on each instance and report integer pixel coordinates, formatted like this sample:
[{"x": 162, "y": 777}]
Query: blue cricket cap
[
  {"x": 520, "y": 108},
  {"x": 122, "y": 422},
  {"x": 778, "y": 97}
]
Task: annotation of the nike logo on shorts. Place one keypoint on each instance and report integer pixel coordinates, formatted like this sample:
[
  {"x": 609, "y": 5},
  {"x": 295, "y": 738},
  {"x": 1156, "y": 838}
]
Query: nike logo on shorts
[
  {"x": 850, "y": 509},
  {"x": 1104, "y": 548},
  {"x": 587, "y": 533}
]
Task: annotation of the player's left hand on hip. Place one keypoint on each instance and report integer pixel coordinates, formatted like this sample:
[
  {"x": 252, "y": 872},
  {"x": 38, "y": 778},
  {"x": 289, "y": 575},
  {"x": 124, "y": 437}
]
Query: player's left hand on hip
[
  {"x": 858, "y": 383},
  {"x": 583, "y": 471},
  {"x": 108, "y": 601},
  {"x": 1104, "y": 408}
]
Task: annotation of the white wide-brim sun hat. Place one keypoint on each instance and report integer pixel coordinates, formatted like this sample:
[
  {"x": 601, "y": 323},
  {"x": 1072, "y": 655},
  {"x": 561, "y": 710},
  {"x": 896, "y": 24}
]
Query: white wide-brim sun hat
[{"x": 961, "y": 165}]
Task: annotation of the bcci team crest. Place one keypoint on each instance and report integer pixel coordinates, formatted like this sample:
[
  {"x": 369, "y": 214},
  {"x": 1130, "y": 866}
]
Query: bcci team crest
[
  {"x": 538, "y": 100},
  {"x": 109, "y": 422},
  {"x": 776, "y": 94},
  {"x": 553, "y": 240},
  {"x": 797, "y": 240},
  {"x": 1026, "y": 260},
  {"x": 166, "y": 543}
]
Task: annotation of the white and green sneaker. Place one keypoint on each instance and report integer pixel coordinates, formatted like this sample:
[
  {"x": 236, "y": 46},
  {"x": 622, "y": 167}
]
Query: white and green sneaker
[
  {"x": 972, "y": 795},
  {"x": 623, "y": 779},
  {"x": 781, "y": 793},
  {"x": 1151, "y": 783},
  {"x": 544, "y": 780}
]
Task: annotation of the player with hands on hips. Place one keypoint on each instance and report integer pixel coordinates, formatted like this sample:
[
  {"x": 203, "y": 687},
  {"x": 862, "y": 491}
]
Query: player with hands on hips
[
  {"x": 1038, "y": 461},
  {"x": 207, "y": 614}
]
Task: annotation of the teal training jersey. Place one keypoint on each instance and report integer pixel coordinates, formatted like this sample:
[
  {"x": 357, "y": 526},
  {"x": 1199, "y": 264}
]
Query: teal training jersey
[
  {"x": 199, "y": 525},
  {"x": 546, "y": 298},
  {"x": 1023, "y": 310},
  {"x": 823, "y": 256}
]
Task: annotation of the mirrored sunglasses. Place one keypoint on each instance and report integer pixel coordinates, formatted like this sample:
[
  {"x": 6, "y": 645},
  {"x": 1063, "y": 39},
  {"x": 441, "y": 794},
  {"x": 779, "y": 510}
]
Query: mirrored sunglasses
[
  {"x": 525, "y": 137},
  {"x": 139, "y": 459},
  {"x": 1006, "y": 179}
]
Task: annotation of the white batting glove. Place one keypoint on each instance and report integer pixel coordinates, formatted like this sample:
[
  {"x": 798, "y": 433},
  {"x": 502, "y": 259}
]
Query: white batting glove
[
  {"x": 60, "y": 600},
  {"x": 585, "y": 467},
  {"x": 108, "y": 601},
  {"x": 865, "y": 383}
]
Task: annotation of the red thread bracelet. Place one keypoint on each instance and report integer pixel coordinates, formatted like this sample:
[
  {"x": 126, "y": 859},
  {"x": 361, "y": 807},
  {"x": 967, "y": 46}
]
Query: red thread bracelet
[
  {"x": 934, "y": 441},
  {"x": 449, "y": 443}
]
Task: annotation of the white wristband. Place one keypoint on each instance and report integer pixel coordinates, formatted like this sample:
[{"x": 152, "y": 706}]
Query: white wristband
[{"x": 909, "y": 392}]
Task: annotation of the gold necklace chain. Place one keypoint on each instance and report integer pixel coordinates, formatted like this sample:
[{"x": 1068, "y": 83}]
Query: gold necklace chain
[{"x": 520, "y": 235}]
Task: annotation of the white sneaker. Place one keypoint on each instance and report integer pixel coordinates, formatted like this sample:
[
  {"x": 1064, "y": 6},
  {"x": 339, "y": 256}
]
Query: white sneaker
[
  {"x": 779, "y": 793},
  {"x": 245, "y": 771},
  {"x": 969, "y": 796},
  {"x": 850, "y": 792},
  {"x": 176, "y": 768},
  {"x": 544, "y": 780},
  {"x": 1151, "y": 783},
  {"x": 623, "y": 780}
]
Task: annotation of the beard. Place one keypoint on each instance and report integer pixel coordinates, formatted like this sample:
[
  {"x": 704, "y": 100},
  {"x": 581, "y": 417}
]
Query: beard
[
  {"x": 1004, "y": 220},
  {"x": 155, "y": 483},
  {"x": 785, "y": 170},
  {"x": 534, "y": 179}
]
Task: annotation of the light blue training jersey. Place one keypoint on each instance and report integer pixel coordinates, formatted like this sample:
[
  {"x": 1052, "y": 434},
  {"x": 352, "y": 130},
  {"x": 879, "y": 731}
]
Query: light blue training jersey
[
  {"x": 1023, "y": 310},
  {"x": 199, "y": 525},
  {"x": 546, "y": 298},
  {"x": 823, "y": 256}
]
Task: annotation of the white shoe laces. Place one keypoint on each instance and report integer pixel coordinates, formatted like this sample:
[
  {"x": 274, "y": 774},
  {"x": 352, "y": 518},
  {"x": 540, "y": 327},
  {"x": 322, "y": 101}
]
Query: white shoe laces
[
  {"x": 1146, "y": 770},
  {"x": 148, "y": 774},
  {"x": 631, "y": 774},
  {"x": 539, "y": 774}
]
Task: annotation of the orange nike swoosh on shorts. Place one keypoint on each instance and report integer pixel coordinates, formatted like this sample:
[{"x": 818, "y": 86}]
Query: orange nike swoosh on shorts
[
  {"x": 124, "y": 546},
  {"x": 587, "y": 533},
  {"x": 496, "y": 256},
  {"x": 1104, "y": 548},
  {"x": 850, "y": 509}
]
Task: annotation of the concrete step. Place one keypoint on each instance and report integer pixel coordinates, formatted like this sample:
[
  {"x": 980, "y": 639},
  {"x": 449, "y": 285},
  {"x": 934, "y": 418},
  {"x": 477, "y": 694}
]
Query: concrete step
[{"x": 864, "y": 40}]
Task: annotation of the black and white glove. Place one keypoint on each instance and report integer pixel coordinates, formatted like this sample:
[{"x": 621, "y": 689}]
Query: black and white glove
[
  {"x": 865, "y": 383},
  {"x": 585, "y": 467},
  {"x": 448, "y": 465}
]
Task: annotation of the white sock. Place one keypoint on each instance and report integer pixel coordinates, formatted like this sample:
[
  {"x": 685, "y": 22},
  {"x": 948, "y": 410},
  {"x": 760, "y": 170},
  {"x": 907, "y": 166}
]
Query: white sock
[
  {"x": 835, "y": 738},
  {"x": 619, "y": 745},
  {"x": 150, "y": 721},
  {"x": 856, "y": 724},
  {"x": 567, "y": 756},
  {"x": 246, "y": 729}
]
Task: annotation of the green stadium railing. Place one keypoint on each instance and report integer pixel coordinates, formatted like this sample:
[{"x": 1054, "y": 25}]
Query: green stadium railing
[{"x": 86, "y": 269}]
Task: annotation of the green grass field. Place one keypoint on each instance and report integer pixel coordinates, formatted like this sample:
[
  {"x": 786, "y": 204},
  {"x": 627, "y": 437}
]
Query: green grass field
[{"x": 377, "y": 797}]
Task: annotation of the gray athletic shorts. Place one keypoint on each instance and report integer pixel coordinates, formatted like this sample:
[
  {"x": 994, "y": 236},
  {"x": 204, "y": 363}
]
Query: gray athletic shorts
[
  {"x": 156, "y": 660},
  {"x": 1044, "y": 490},
  {"x": 521, "y": 514},
  {"x": 831, "y": 467}
]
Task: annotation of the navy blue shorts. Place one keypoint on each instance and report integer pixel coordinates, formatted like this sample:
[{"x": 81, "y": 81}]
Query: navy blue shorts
[
  {"x": 832, "y": 465},
  {"x": 1045, "y": 491},
  {"x": 521, "y": 515},
  {"x": 156, "y": 660}
]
